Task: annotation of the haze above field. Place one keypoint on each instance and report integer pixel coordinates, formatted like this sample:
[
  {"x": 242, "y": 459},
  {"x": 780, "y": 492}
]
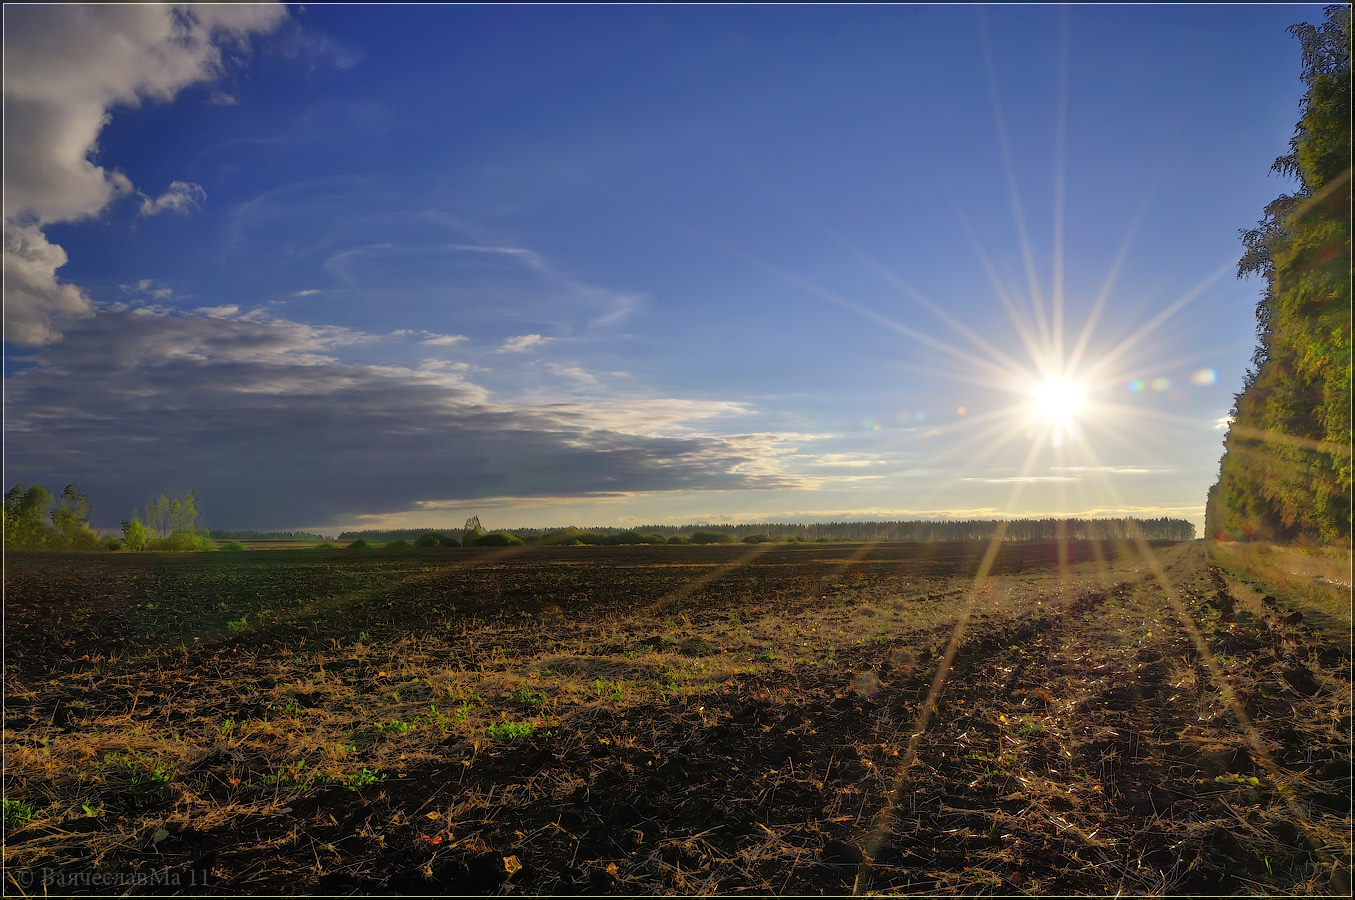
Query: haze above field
[{"x": 353, "y": 267}]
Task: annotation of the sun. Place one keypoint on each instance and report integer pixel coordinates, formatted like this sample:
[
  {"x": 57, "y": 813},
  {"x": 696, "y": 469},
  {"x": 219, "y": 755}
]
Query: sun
[{"x": 1059, "y": 400}]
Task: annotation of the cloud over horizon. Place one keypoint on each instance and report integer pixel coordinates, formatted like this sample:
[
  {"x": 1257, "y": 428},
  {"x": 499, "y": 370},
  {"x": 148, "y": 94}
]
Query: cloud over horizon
[{"x": 271, "y": 428}]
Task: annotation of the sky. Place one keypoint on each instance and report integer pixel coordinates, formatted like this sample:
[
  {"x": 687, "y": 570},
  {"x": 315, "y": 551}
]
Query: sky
[{"x": 341, "y": 267}]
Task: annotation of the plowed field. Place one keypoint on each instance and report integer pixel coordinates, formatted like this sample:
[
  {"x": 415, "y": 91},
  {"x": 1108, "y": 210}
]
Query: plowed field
[{"x": 1091, "y": 719}]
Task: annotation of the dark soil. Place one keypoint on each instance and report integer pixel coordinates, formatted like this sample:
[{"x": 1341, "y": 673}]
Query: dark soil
[{"x": 783, "y": 720}]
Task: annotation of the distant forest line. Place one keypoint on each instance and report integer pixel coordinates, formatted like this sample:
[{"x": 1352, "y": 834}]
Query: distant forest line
[
  {"x": 222, "y": 534},
  {"x": 1162, "y": 529}
]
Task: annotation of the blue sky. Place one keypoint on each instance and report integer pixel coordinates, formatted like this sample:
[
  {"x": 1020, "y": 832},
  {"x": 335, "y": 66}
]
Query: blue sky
[{"x": 341, "y": 266}]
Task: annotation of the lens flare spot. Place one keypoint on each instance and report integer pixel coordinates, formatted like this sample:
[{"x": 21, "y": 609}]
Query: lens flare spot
[
  {"x": 1161, "y": 383},
  {"x": 1135, "y": 386},
  {"x": 1203, "y": 377}
]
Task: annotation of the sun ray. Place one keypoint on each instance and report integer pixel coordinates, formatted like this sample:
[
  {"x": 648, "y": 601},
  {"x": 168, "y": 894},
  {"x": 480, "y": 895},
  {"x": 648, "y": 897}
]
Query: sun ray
[
  {"x": 1274, "y": 772},
  {"x": 1060, "y": 178},
  {"x": 1014, "y": 194},
  {"x": 870, "y": 315},
  {"x": 1019, "y": 322},
  {"x": 687, "y": 588},
  {"x": 924, "y": 714},
  {"x": 1156, "y": 321},
  {"x": 929, "y": 305},
  {"x": 890, "y": 276},
  {"x": 1099, "y": 304}
]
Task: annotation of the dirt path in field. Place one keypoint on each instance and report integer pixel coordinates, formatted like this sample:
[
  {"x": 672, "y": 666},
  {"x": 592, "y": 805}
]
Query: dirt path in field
[{"x": 1095, "y": 733}]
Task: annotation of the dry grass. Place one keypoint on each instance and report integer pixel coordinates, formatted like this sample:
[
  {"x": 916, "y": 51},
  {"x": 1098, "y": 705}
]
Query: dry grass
[{"x": 1078, "y": 744}]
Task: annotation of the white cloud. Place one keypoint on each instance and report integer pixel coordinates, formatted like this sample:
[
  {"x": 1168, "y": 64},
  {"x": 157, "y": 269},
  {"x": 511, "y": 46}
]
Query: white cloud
[
  {"x": 573, "y": 372},
  {"x": 847, "y": 460},
  {"x": 307, "y": 293},
  {"x": 218, "y": 312},
  {"x": 180, "y": 198},
  {"x": 147, "y": 287},
  {"x": 65, "y": 68},
  {"x": 443, "y": 340},
  {"x": 1022, "y": 479},
  {"x": 523, "y": 342},
  {"x": 34, "y": 300},
  {"x": 1110, "y": 470},
  {"x": 1223, "y": 423}
]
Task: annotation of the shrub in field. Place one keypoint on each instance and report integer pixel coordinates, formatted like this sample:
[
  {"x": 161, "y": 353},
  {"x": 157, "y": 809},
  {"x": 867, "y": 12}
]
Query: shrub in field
[
  {"x": 400, "y": 543},
  {"x": 677, "y": 539},
  {"x": 633, "y": 537},
  {"x": 233, "y": 545},
  {"x": 499, "y": 539},
  {"x": 756, "y": 539},
  {"x": 181, "y": 542},
  {"x": 360, "y": 544},
  {"x": 712, "y": 537},
  {"x": 114, "y": 543},
  {"x": 428, "y": 539}
]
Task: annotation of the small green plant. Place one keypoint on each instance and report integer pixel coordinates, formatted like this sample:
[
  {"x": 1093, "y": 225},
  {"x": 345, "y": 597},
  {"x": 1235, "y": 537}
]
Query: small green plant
[
  {"x": 144, "y": 774},
  {"x": 226, "y": 726},
  {"x": 766, "y": 656},
  {"x": 238, "y": 625},
  {"x": 17, "y": 814},
  {"x": 363, "y": 778},
  {"x": 233, "y": 546},
  {"x": 293, "y": 775},
  {"x": 510, "y": 731},
  {"x": 523, "y": 697},
  {"x": 613, "y": 691},
  {"x": 93, "y": 809},
  {"x": 438, "y": 719}
]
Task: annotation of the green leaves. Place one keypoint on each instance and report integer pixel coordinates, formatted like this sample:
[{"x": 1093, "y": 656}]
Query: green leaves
[{"x": 1286, "y": 470}]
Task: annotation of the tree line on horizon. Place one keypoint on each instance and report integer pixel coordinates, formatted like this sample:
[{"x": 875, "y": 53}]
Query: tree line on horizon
[
  {"x": 1049, "y": 529},
  {"x": 1285, "y": 474},
  {"x": 37, "y": 519}
]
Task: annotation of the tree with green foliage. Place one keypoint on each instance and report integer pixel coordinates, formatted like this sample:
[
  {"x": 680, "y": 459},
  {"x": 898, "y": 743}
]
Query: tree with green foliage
[
  {"x": 70, "y": 518},
  {"x": 134, "y": 533},
  {"x": 173, "y": 523},
  {"x": 26, "y": 517},
  {"x": 472, "y": 533},
  {"x": 1286, "y": 470}
]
